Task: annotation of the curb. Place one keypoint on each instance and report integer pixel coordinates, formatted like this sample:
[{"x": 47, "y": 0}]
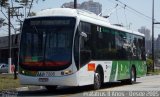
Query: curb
[
  {"x": 22, "y": 89},
  {"x": 152, "y": 74},
  {"x": 30, "y": 88}
]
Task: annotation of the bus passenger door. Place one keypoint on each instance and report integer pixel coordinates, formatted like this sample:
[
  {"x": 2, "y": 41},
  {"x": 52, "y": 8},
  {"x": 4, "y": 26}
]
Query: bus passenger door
[{"x": 85, "y": 76}]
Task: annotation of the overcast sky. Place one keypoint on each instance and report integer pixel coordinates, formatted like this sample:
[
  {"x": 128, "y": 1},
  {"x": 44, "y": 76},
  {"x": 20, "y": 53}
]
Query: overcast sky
[{"x": 123, "y": 16}]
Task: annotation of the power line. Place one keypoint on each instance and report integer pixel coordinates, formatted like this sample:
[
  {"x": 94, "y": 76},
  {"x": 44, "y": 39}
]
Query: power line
[
  {"x": 133, "y": 9},
  {"x": 147, "y": 19},
  {"x": 30, "y": 8},
  {"x": 117, "y": 15},
  {"x": 125, "y": 15},
  {"x": 12, "y": 2},
  {"x": 6, "y": 17}
]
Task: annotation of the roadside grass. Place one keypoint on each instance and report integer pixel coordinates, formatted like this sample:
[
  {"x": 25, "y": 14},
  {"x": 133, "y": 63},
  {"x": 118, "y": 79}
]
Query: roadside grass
[
  {"x": 156, "y": 72},
  {"x": 7, "y": 81}
]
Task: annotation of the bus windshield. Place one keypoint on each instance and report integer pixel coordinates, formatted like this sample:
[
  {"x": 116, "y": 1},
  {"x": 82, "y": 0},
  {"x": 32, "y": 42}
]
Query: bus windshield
[{"x": 47, "y": 42}]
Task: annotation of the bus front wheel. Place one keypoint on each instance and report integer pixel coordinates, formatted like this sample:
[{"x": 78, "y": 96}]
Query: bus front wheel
[{"x": 97, "y": 80}]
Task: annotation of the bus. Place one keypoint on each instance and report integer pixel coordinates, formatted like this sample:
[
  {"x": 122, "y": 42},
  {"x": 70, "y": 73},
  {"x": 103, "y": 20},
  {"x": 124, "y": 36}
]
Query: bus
[{"x": 72, "y": 47}]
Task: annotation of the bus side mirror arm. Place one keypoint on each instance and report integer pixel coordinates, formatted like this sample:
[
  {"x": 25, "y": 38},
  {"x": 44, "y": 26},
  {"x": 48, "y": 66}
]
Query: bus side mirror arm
[{"x": 83, "y": 34}]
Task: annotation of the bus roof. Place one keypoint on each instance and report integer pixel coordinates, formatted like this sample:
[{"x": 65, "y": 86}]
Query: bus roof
[{"x": 84, "y": 16}]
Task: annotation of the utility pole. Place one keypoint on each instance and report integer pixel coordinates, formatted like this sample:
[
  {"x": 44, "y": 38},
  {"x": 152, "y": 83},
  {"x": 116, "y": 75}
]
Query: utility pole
[
  {"x": 11, "y": 12},
  {"x": 153, "y": 34},
  {"x": 15, "y": 55},
  {"x": 9, "y": 41},
  {"x": 75, "y": 4},
  {"x": 153, "y": 23}
]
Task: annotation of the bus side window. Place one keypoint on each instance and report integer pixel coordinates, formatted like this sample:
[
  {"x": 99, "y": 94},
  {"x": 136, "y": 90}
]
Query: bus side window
[
  {"x": 85, "y": 45},
  {"x": 85, "y": 52}
]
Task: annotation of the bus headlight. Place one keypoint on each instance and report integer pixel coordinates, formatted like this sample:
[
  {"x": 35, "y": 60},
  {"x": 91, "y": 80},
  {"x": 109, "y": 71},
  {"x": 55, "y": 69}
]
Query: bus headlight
[{"x": 66, "y": 72}]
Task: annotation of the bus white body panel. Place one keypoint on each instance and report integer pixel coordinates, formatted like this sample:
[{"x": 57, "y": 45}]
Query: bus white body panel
[
  {"x": 79, "y": 78},
  {"x": 56, "y": 79},
  {"x": 87, "y": 77},
  {"x": 68, "y": 80}
]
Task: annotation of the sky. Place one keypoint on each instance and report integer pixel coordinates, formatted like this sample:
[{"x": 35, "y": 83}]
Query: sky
[{"x": 129, "y": 18}]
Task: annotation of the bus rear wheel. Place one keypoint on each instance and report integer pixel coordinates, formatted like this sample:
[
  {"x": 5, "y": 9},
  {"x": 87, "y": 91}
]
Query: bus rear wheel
[
  {"x": 51, "y": 88},
  {"x": 97, "y": 80},
  {"x": 133, "y": 76}
]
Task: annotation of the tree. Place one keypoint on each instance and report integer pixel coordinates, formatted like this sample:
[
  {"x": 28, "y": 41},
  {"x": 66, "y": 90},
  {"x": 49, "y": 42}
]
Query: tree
[
  {"x": 3, "y": 3},
  {"x": 32, "y": 14},
  {"x": 25, "y": 3},
  {"x": 149, "y": 63},
  {"x": 148, "y": 42},
  {"x": 1, "y": 22}
]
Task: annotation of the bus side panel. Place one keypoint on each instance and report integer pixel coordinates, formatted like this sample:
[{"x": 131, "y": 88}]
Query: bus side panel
[
  {"x": 86, "y": 77},
  {"x": 140, "y": 68},
  {"x": 114, "y": 71},
  {"x": 107, "y": 67},
  {"x": 124, "y": 67},
  {"x": 120, "y": 70}
]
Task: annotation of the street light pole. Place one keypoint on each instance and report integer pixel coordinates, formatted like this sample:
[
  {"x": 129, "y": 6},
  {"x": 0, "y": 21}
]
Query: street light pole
[
  {"x": 75, "y": 4},
  {"x": 153, "y": 35}
]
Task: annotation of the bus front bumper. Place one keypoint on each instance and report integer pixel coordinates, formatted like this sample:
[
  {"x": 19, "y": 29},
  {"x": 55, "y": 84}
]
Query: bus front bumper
[{"x": 68, "y": 80}]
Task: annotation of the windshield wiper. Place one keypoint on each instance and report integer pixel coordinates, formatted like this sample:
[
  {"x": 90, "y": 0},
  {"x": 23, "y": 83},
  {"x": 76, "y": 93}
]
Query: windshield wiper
[{"x": 35, "y": 28}]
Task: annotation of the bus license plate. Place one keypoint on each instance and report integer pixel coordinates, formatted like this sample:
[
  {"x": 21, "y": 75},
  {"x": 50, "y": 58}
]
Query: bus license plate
[{"x": 43, "y": 79}]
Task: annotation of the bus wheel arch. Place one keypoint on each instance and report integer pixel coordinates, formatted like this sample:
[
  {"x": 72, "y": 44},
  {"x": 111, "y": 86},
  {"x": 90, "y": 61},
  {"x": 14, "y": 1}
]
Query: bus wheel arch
[
  {"x": 132, "y": 76},
  {"x": 98, "y": 77}
]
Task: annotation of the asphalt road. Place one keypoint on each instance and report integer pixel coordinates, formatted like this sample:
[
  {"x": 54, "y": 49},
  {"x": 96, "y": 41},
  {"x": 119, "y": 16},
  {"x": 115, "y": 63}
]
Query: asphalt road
[{"x": 149, "y": 85}]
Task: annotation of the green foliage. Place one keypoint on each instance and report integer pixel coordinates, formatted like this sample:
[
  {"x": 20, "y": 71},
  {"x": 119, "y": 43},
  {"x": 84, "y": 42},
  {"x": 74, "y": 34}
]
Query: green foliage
[
  {"x": 32, "y": 14},
  {"x": 149, "y": 63},
  {"x": 156, "y": 72},
  {"x": 3, "y": 3}
]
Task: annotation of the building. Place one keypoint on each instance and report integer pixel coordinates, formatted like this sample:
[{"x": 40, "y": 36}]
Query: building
[
  {"x": 157, "y": 43},
  {"x": 90, "y": 5},
  {"x": 148, "y": 41},
  {"x": 146, "y": 32},
  {"x": 4, "y": 51},
  {"x": 69, "y": 5}
]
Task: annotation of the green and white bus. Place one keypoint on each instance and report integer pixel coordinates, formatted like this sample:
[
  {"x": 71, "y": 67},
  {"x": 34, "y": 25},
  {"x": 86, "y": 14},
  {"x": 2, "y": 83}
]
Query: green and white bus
[{"x": 71, "y": 47}]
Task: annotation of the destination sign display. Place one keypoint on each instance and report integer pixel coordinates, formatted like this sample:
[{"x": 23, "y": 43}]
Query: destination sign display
[{"x": 50, "y": 22}]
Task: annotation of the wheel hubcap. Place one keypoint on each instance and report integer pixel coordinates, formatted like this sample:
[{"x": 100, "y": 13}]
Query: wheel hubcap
[
  {"x": 97, "y": 80},
  {"x": 133, "y": 78}
]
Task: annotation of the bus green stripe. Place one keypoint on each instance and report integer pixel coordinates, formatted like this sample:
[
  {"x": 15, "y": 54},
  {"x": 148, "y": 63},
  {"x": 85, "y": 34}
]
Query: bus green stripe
[{"x": 123, "y": 69}]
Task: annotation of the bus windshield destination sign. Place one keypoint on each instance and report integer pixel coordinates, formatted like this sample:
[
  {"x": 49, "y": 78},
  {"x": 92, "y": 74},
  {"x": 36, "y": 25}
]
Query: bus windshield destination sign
[{"x": 50, "y": 22}]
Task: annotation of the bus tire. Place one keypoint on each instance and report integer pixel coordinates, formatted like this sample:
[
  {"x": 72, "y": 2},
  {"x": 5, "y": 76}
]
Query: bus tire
[
  {"x": 97, "y": 80},
  {"x": 132, "y": 78},
  {"x": 133, "y": 75},
  {"x": 51, "y": 88}
]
